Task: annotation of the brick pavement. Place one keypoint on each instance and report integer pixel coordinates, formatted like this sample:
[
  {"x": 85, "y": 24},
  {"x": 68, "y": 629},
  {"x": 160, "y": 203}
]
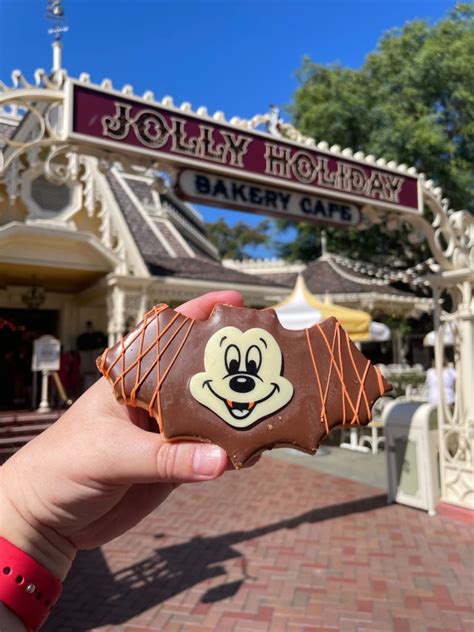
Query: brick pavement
[{"x": 278, "y": 547}]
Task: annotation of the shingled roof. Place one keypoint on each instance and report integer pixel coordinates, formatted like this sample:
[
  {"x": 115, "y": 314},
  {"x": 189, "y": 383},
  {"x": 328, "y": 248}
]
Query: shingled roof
[
  {"x": 165, "y": 249},
  {"x": 147, "y": 241},
  {"x": 6, "y": 132},
  {"x": 323, "y": 276},
  {"x": 201, "y": 269}
]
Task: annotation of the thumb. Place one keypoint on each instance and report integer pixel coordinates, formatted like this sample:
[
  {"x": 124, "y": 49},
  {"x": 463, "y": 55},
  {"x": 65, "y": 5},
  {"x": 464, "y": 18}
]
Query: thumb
[{"x": 151, "y": 459}]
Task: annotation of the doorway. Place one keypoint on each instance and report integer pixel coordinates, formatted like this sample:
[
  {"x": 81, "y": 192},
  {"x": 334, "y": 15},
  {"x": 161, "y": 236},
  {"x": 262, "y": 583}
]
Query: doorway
[{"x": 18, "y": 329}]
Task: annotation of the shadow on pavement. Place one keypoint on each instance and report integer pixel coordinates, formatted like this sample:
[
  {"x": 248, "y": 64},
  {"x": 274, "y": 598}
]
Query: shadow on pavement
[{"x": 110, "y": 598}]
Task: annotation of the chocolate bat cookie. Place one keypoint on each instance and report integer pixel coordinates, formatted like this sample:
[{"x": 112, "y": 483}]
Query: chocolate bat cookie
[{"x": 242, "y": 381}]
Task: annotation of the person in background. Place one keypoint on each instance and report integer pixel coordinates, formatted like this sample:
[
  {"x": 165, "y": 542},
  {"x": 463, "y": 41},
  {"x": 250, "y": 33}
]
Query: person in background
[
  {"x": 70, "y": 373},
  {"x": 449, "y": 384}
]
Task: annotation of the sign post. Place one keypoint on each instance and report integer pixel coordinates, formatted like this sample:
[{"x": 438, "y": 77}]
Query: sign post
[{"x": 46, "y": 358}]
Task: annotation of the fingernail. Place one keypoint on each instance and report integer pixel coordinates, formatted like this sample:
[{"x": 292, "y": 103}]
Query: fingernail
[{"x": 207, "y": 460}]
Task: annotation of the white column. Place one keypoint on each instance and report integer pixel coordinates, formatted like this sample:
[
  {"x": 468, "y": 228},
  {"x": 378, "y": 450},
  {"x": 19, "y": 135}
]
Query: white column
[
  {"x": 115, "y": 314},
  {"x": 397, "y": 346},
  {"x": 68, "y": 329},
  {"x": 456, "y": 427},
  {"x": 44, "y": 403},
  {"x": 143, "y": 304},
  {"x": 466, "y": 330},
  {"x": 57, "y": 55}
]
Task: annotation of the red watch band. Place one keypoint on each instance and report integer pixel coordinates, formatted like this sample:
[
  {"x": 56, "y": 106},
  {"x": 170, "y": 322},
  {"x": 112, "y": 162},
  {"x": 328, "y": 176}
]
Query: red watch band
[{"x": 26, "y": 588}]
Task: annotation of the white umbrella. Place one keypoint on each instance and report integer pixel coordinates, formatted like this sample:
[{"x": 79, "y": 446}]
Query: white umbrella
[
  {"x": 301, "y": 310},
  {"x": 378, "y": 332},
  {"x": 448, "y": 337}
]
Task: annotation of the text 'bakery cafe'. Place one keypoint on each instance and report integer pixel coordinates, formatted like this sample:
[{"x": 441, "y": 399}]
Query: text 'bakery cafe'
[{"x": 230, "y": 193}]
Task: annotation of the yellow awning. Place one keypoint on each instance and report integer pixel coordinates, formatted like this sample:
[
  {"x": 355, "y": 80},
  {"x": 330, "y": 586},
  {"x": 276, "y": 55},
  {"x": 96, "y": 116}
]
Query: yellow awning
[{"x": 301, "y": 309}]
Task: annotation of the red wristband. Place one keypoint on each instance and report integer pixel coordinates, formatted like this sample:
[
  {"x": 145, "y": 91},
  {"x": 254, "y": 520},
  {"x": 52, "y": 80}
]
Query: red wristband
[{"x": 26, "y": 588}]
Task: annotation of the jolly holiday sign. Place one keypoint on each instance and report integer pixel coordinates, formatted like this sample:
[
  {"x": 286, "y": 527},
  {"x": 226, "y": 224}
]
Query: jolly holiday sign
[{"x": 132, "y": 125}]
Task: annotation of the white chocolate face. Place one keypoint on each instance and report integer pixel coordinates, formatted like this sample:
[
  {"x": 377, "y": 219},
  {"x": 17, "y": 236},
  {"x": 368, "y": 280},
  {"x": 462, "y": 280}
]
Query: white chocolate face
[{"x": 242, "y": 382}]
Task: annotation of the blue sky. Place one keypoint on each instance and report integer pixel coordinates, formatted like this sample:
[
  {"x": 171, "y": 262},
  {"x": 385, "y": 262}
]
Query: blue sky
[{"x": 235, "y": 56}]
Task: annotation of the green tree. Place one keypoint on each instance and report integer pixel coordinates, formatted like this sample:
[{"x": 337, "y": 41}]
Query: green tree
[
  {"x": 412, "y": 101},
  {"x": 231, "y": 241}
]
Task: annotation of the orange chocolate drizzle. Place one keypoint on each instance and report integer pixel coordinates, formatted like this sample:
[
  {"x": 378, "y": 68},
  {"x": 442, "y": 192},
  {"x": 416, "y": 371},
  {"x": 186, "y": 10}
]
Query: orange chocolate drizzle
[
  {"x": 137, "y": 369},
  {"x": 137, "y": 363}
]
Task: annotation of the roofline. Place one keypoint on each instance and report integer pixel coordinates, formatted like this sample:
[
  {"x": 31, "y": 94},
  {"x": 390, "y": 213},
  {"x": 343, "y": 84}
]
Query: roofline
[
  {"x": 186, "y": 288},
  {"x": 428, "y": 303},
  {"x": 187, "y": 208},
  {"x": 119, "y": 218},
  {"x": 48, "y": 230},
  {"x": 10, "y": 119}
]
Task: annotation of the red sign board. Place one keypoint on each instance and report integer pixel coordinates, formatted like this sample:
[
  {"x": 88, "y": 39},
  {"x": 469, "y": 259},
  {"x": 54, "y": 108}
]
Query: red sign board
[{"x": 129, "y": 124}]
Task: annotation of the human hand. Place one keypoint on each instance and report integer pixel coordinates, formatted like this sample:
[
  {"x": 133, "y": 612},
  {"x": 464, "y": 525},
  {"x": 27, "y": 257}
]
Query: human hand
[{"x": 98, "y": 471}]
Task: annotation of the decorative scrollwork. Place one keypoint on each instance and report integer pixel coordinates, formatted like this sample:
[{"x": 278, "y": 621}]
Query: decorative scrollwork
[
  {"x": 12, "y": 178},
  {"x": 88, "y": 186},
  {"x": 40, "y": 102},
  {"x": 61, "y": 164},
  {"x": 453, "y": 230}
]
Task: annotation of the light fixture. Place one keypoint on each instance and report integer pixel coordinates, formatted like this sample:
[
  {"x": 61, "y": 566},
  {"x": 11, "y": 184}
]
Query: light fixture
[{"x": 35, "y": 296}]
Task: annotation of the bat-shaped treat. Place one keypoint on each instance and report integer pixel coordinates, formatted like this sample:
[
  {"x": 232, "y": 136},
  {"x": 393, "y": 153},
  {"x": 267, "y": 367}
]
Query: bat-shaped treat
[{"x": 242, "y": 381}]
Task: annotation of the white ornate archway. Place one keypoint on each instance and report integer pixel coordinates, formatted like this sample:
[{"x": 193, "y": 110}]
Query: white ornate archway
[{"x": 449, "y": 233}]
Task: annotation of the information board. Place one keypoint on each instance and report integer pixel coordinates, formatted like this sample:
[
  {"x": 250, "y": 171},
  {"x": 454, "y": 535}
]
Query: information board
[{"x": 46, "y": 354}]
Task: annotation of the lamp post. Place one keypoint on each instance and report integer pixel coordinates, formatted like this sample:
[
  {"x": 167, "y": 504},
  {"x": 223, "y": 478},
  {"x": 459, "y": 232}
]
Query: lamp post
[{"x": 34, "y": 296}]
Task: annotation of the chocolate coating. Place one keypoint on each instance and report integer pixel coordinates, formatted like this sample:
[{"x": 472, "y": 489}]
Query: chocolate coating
[{"x": 320, "y": 379}]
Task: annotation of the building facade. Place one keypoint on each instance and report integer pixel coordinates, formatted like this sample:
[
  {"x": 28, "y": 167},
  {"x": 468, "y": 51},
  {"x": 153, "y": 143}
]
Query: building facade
[{"x": 93, "y": 254}]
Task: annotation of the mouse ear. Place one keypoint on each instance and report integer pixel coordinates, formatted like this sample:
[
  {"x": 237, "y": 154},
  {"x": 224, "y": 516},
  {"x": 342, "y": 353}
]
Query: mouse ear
[
  {"x": 221, "y": 314},
  {"x": 151, "y": 347}
]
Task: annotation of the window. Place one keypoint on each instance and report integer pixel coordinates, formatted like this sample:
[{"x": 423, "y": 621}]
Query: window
[
  {"x": 49, "y": 200},
  {"x": 50, "y": 197}
]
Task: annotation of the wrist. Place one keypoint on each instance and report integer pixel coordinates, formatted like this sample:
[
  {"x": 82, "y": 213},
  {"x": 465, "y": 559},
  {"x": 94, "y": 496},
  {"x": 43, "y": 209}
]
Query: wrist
[
  {"x": 42, "y": 543},
  {"x": 9, "y": 620},
  {"x": 27, "y": 588}
]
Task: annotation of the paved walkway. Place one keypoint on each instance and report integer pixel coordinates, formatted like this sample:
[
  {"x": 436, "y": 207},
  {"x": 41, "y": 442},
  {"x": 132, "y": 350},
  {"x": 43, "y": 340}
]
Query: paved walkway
[
  {"x": 358, "y": 466},
  {"x": 279, "y": 547}
]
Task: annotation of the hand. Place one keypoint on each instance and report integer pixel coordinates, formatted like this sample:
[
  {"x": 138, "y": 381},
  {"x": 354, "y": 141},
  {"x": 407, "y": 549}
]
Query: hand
[{"x": 98, "y": 471}]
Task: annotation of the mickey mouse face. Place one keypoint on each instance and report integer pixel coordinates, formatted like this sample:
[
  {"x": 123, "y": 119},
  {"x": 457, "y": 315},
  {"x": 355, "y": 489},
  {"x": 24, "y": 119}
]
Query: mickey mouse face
[{"x": 242, "y": 382}]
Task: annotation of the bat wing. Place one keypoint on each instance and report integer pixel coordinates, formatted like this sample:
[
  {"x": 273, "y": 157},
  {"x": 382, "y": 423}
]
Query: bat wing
[
  {"x": 138, "y": 364},
  {"x": 347, "y": 382}
]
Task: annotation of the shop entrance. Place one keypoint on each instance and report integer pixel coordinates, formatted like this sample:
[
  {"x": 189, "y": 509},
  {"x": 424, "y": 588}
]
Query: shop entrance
[{"x": 18, "y": 329}]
